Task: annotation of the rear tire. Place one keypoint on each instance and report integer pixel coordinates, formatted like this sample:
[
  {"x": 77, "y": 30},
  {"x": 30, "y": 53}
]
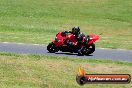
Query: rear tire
[
  {"x": 80, "y": 52},
  {"x": 91, "y": 49},
  {"x": 51, "y": 48}
]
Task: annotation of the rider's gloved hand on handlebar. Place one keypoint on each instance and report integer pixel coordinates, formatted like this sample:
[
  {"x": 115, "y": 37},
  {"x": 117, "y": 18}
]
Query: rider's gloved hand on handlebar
[{"x": 63, "y": 34}]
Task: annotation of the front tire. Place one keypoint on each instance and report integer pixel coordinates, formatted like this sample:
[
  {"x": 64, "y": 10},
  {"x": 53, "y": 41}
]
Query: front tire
[{"x": 51, "y": 48}]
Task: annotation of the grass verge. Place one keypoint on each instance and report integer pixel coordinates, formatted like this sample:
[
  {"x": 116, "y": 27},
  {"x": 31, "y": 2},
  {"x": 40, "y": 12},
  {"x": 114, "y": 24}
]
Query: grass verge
[{"x": 35, "y": 71}]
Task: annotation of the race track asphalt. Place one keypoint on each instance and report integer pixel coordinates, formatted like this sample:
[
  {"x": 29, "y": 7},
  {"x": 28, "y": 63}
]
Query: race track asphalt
[{"x": 109, "y": 54}]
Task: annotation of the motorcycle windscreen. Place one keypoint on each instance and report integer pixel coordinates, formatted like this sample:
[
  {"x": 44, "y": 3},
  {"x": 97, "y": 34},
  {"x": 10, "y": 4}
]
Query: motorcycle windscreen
[
  {"x": 59, "y": 36},
  {"x": 93, "y": 38},
  {"x": 58, "y": 39}
]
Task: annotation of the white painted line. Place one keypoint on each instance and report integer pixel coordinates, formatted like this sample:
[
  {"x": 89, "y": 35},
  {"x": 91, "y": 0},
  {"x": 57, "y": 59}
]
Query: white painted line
[
  {"x": 22, "y": 43},
  {"x": 114, "y": 49}
]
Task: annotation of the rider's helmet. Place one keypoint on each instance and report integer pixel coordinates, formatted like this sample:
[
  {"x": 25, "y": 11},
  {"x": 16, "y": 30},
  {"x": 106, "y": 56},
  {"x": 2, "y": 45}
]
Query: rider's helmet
[{"x": 76, "y": 30}]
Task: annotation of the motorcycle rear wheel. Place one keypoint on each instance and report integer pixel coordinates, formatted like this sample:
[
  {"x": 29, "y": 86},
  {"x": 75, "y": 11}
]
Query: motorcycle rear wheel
[
  {"x": 80, "y": 53},
  {"x": 91, "y": 49}
]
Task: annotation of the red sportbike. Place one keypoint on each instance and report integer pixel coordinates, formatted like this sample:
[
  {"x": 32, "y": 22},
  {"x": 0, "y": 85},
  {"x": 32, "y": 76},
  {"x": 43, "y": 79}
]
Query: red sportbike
[{"x": 84, "y": 47}]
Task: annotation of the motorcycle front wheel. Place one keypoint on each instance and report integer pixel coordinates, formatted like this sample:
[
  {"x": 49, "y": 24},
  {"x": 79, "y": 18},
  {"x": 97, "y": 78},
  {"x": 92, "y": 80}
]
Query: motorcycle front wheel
[{"x": 51, "y": 48}]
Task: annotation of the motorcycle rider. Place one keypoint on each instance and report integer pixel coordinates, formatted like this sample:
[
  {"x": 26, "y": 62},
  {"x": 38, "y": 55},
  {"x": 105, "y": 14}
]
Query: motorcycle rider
[{"x": 78, "y": 35}]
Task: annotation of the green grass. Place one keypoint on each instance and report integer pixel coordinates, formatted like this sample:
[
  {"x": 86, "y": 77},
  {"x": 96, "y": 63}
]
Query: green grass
[
  {"x": 35, "y": 71},
  {"x": 38, "y": 21}
]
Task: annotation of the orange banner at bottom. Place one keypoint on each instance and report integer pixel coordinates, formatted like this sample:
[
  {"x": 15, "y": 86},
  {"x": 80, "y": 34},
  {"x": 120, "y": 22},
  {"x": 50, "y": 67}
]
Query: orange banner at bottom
[
  {"x": 83, "y": 78},
  {"x": 103, "y": 78}
]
